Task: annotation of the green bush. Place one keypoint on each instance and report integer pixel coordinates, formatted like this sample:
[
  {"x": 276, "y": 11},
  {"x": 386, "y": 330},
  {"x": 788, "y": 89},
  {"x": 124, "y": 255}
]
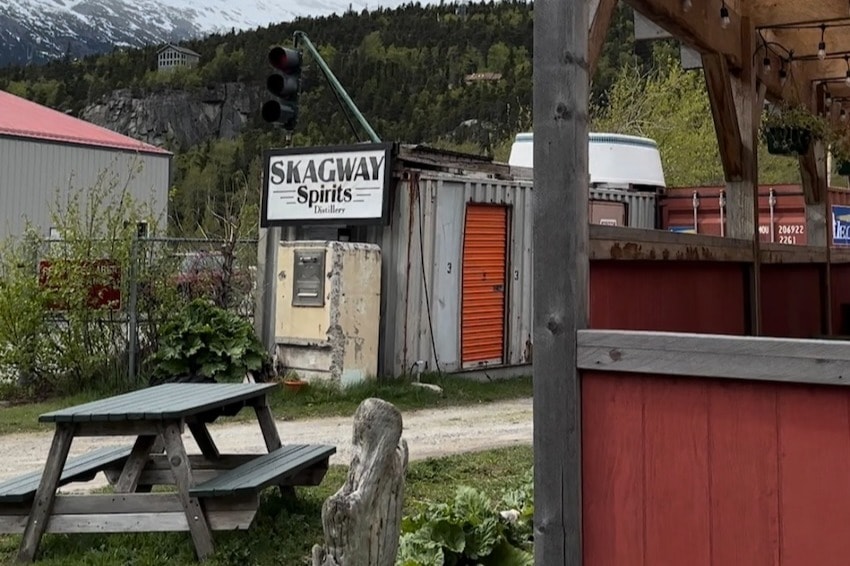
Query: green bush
[
  {"x": 471, "y": 531},
  {"x": 204, "y": 342},
  {"x": 57, "y": 333}
]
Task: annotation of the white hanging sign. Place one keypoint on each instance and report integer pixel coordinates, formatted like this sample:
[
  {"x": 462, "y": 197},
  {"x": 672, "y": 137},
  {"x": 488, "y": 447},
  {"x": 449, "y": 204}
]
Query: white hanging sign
[{"x": 347, "y": 185}]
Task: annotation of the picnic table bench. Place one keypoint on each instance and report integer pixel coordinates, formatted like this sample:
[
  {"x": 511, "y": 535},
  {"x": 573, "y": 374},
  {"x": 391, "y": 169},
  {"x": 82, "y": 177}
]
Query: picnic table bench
[{"x": 213, "y": 491}]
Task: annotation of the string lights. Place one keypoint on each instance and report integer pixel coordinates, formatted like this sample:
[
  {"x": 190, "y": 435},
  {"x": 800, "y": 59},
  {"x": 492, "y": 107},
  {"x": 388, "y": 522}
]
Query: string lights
[
  {"x": 725, "y": 20},
  {"x": 822, "y": 44}
]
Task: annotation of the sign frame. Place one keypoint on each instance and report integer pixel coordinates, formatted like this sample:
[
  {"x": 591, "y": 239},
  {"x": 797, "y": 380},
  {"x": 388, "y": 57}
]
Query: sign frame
[
  {"x": 389, "y": 153},
  {"x": 838, "y": 210}
]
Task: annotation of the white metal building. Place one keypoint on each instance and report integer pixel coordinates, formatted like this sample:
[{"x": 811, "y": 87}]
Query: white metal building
[{"x": 43, "y": 151}]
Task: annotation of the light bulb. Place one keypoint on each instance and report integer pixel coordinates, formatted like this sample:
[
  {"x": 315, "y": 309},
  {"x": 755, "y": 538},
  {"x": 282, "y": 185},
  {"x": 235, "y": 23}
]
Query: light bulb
[
  {"x": 766, "y": 64},
  {"x": 687, "y": 5},
  {"x": 847, "y": 78},
  {"x": 783, "y": 76},
  {"x": 821, "y": 50},
  {"x": 828, "y": 100},
  {"x": 843, "y": 115},
  {"x": 724, "y": 17}
]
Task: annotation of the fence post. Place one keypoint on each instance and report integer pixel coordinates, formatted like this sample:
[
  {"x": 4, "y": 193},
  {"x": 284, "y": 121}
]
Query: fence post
[
  {"x": 267, "y": 246},
  {"x": 132, "y": 315}
]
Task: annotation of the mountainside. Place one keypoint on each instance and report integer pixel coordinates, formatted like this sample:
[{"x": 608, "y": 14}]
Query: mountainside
[{"x": 35, "y": 31}]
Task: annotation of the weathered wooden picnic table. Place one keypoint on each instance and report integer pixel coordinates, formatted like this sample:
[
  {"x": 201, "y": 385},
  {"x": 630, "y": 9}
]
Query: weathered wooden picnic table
[{"x": 213, "y": 491}]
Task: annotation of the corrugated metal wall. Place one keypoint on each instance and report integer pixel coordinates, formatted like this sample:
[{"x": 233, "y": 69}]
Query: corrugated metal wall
[
  {"x": 641, "y": 207},
  {"x": 427, "y": 222},
  {"x": 32, "y": 172}
]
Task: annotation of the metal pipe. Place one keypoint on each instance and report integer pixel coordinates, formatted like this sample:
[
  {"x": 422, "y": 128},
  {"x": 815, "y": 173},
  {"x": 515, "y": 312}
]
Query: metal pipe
[
  {"x": 771, "y": 201},
  {"x": 301, "y": 37}
]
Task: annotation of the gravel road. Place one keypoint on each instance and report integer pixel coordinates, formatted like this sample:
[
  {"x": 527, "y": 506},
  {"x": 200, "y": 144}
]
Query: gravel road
[{"x": 429, "y": 433}]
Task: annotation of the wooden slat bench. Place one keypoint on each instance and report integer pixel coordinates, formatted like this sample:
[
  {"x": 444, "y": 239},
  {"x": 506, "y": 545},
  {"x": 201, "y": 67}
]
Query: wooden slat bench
[
  {"x": 308, "y": 462},
  {"x": 82, "y": 468}
]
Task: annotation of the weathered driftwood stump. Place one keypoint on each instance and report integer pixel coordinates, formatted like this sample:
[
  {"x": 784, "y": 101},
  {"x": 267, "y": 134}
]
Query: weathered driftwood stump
[{"x": 362, "y": 521}]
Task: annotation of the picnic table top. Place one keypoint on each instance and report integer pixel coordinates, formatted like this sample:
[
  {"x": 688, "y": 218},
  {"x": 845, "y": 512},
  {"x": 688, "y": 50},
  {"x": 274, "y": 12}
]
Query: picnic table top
[{"x": 167, "y": 401}]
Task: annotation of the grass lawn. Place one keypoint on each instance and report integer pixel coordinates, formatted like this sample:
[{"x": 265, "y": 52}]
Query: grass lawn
[
  {"x": 285, "y": 529},
  {"x": 315, "y": 401}
]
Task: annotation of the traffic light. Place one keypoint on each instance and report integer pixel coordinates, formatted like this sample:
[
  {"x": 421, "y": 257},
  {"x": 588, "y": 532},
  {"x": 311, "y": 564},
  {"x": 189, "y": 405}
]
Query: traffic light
[{"x": 284, "y": 85}]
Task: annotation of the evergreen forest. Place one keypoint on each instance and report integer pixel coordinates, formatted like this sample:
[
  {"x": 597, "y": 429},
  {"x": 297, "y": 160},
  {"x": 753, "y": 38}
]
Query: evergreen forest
[{"x": 408, "y": 70}]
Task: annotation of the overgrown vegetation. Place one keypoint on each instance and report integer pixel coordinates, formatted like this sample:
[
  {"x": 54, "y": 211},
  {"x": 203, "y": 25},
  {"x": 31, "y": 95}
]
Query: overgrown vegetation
[
  {"x": 205, "y": 342},
  {"x": 73, "y": 303},
  {"x": 286, "y": 529},
  {"x": 62, "y": 328},
  {"x": 472, "y": 530}
]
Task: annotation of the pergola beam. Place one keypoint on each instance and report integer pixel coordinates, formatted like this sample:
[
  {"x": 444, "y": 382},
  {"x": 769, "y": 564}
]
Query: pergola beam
[
  {"x": 601, "y": 14},
  {"x": 700, "y": 29},
  {"x": 722, "y": 100}
]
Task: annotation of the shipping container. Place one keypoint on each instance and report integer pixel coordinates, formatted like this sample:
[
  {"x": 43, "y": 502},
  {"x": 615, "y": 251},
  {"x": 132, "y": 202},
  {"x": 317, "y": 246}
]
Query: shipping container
[
  {"x": 457, "y": 273},
  {"x": 456, "y": 268},
  {"x": 702, "y": 210},
  {"x": 641, "y": 207},
  {"x": 456, "y": 257}
]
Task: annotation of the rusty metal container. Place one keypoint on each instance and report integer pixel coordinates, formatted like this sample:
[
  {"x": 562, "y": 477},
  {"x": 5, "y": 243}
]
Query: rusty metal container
[{"x": 702, "y": 210}]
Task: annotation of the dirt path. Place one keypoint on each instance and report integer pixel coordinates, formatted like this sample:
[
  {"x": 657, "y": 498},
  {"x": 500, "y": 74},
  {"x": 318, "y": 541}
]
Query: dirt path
[{"x": 429, "y": 433}]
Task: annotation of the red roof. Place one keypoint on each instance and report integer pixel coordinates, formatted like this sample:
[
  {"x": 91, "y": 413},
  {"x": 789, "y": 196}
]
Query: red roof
[{"x": 22, "y": 118}]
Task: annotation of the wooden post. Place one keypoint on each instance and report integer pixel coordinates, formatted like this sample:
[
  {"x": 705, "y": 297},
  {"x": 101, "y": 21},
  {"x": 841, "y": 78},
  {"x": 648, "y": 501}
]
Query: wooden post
[
  {"x": 742, "y": 193},
  {"x": 561, "y": 181},
  {"x": 362, "y": 521},
  {"x": 264, "y": 301}
]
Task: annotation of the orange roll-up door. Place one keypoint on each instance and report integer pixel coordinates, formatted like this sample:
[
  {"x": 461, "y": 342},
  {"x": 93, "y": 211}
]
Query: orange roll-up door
[{"x": 485, "y": 241}]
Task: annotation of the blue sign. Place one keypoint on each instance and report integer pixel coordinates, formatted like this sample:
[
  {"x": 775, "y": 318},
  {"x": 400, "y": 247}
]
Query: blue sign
[
  {"x": 683, "y": 229},
  {"x": 840, "y": 225}
]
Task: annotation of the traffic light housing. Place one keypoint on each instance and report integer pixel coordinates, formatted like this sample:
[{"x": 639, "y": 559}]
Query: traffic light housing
[{"x": 285, "y": 85}]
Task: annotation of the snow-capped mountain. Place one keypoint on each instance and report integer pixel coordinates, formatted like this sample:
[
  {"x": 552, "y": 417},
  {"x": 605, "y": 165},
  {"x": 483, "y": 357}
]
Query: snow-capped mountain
[{"x": 38, "y": 30}]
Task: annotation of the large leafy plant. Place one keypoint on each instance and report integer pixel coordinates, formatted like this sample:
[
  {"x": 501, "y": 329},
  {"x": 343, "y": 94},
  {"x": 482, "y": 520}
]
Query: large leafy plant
[
  {"x": 204, "y": 342},
  {"x": 470, "y": 531}
]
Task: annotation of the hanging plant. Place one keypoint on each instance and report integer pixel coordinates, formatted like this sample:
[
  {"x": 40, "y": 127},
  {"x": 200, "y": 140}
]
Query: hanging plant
[
  {"x": 790, "y": 129},
  {"x": 840, "y": 149}
]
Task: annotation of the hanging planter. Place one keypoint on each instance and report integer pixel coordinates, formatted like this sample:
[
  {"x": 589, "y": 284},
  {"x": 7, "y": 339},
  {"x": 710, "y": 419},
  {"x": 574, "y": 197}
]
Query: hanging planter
[
  {"x": 787, "y": 140},
  {"x": 790, "y": 129}
]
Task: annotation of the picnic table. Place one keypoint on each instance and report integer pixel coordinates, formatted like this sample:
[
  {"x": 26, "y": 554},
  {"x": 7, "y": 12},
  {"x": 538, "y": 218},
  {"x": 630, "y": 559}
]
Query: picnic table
[{"x": 212, "y": 491}]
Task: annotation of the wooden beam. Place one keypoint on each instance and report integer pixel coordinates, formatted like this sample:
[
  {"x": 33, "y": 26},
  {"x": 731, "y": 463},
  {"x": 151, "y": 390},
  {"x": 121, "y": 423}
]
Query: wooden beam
[
  {"x": 561, "y": 273},
  {"x": 621, "y": 243},
  {"x": 813, "y": 165},
  {"x": 825, "y": 362},
  {"x": 719, "y": 84},
  {"x": 699, "y": 27},
  {"x": 601, "y": 14}
]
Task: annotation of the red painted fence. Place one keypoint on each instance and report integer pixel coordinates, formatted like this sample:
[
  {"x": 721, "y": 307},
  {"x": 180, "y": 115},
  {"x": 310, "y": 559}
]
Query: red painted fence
[{"x": 697, "y": 472}]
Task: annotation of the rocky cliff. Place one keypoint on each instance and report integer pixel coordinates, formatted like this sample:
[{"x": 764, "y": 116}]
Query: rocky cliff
[{"x": 179, "y": 119}]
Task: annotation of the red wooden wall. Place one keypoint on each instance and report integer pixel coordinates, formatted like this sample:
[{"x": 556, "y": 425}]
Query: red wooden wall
[
  {"x": 696, "y": 472},
  {"x": 791, "y": 300},
  {"x": 703, "y": 297},
  {"x": 840, "y": 290}
]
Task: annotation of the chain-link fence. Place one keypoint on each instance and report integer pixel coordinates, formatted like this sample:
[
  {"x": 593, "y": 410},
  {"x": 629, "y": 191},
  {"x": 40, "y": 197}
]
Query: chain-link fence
[
  {"x": 168, "y": 273},
  {"x": 95, "y": 309}
]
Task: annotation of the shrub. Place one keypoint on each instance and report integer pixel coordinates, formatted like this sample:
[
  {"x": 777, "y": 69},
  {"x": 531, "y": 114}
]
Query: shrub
[
  {"x": 204, "y": 342},
  {"x": 471, "y": 531}
]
